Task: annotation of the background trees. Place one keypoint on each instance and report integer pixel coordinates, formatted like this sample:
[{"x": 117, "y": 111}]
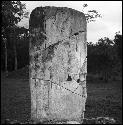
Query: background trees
[
  {"x": 91, "y": 15},
  {"x": 104, "y": 58},
  {"x": 12, "y": 13},
  {"x": 118, "y": 45}
]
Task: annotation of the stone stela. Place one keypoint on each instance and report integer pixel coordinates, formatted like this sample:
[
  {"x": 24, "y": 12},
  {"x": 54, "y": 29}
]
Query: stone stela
[{"x": 58, "y": 63}]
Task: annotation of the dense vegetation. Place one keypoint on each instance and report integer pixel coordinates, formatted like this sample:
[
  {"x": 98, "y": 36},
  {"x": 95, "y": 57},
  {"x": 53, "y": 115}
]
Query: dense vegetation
[
  {"x": 12, "y": 40},
  {"x": 104, "y": 57}
]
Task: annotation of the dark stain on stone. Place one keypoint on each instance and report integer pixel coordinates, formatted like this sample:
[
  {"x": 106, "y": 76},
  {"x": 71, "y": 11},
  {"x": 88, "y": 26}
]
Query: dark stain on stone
[
  {"x": 51, "y": 75},
  {"x": 32, "y": 42},
  {"x": 36, "y": 67},
  {"x": 37, "y": 18},
  {"x": 48, "y": 53},
  {"x": 67, "y": 43},
  {"x": 36, "y": 57},
  {"x": 69, "y": 61},
  {"x": 50, "y": 12},
  {"x": 37, "y": 22},
  {"x": 76, "y": 34},
  {"x": 76, "y": 47},
  {"x": 69, "y": 78},
  {"x": 78, "y": 80},
  {"x": 37, "y": 40}
]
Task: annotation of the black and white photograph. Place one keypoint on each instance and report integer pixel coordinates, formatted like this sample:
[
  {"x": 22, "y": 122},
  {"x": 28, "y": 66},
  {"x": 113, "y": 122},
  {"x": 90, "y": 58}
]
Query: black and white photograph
[{"x": 61, "y": 62}]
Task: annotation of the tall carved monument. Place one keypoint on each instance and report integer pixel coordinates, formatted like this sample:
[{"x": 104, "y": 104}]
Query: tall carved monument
[{"x": 58, "y": 64}]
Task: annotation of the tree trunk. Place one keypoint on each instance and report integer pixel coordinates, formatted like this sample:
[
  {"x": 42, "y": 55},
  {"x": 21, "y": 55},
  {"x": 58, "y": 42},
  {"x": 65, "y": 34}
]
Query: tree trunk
[
  {"x": 106, "y": 76},
  {"x": 15, "y": 51},
  {"x": 15, "y": 54},
  {"x": 6, "y": 70}
]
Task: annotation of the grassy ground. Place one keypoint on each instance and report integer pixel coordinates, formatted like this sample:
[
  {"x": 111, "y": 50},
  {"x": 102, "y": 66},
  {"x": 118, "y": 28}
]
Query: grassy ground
[
  {"x": 15, "y": 98},
  {"x": 104, "y": 99}
]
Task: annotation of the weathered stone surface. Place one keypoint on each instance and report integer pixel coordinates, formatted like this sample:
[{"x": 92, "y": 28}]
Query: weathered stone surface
[{"x": 58, "y": 64}]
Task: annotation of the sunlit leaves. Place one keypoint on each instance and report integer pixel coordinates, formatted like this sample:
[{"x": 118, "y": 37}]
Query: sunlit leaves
[
  {"x": 13, "y": 12},
  {"x": 91, "y": 15}
]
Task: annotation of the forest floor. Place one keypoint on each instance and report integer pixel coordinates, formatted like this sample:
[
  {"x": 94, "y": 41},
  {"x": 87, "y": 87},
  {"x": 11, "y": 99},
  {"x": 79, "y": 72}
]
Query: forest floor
[{"x": 104, "y": 99}]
